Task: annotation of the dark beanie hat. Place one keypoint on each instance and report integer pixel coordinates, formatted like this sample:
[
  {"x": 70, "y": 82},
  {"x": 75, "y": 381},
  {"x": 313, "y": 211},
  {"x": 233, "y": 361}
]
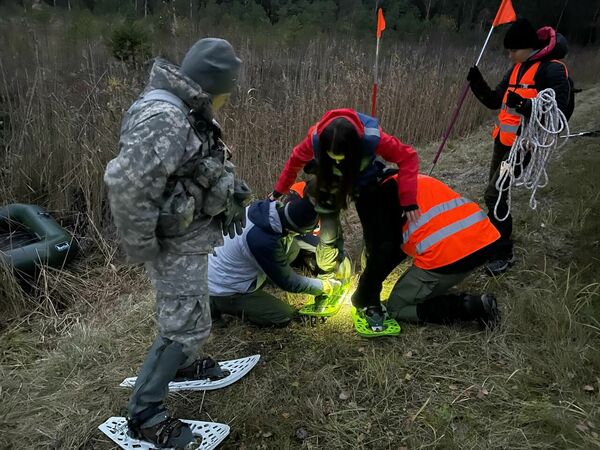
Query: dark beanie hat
[
  {"x": 521, "y": 34},
  {"x": 212, "y": 63},
  {"x": 298, "y": 215}
]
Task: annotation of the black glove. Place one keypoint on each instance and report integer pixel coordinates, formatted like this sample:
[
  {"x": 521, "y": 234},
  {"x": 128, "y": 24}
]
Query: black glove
[
  {"x": 233, "y": 220},
  {"x": 518, "y": 103},
  {"x": 514, "y": 100},
  {"x": 474, "y": 75}
]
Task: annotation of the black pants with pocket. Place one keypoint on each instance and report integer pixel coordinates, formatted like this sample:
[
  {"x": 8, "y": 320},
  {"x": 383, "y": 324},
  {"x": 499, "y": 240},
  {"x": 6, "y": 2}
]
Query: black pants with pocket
[{"x": 380, "y": 215}]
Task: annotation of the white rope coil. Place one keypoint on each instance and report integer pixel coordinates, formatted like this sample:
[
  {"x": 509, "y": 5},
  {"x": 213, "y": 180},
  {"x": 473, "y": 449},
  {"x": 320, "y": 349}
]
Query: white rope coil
[{"x": 538, "y": 140}]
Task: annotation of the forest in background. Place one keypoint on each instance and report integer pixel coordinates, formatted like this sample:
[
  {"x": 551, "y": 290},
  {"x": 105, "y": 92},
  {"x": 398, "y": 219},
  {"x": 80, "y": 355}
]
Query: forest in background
[{"x": 579, "y": 20}]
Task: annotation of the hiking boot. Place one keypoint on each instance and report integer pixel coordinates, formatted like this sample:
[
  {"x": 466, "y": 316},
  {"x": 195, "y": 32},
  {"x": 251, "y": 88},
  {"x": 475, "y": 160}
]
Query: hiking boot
[
  {"x": 498, "y": 266},
  {"x": 375, "y": 316},
  {"x": 201, "y": 369},
  {"x": 491, "y": 314},
  {"x": 169, "y": 433}
]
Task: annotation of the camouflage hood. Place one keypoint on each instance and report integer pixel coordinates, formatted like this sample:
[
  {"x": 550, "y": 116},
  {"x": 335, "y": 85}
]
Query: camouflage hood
[{"x": 168, "y": 76}]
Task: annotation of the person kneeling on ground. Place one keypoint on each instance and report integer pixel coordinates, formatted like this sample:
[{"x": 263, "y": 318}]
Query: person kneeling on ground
[
  {"x": 452, "y": 237},
  {"x": 238, "y": 270}
]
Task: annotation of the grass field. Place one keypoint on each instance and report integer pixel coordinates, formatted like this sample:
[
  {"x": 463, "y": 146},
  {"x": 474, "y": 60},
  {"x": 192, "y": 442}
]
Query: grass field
[{"x": 533, "y": 383}]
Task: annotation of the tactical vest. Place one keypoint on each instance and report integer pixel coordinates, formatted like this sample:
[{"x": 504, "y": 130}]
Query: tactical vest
[
  {"x": 450, "y": 228},
  {"x": 203, "y": 185}
]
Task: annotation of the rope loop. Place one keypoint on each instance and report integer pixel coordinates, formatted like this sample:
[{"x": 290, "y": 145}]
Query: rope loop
[{"x": 531, "y": 151}]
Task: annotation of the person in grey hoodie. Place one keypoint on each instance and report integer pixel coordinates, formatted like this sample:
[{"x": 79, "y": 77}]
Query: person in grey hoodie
[
  {"x": 172, "y": 193},
  {"x": 237, "y": 271}
]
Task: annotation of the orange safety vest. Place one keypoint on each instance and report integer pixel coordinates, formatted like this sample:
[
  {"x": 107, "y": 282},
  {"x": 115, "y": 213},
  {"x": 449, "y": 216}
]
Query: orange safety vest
[
  {"x": 450, "y": 228},
  {"x": 508, "y": 119}
]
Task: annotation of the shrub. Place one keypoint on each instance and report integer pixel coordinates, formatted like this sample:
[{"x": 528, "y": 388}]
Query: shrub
[{"x": 130, "y": 42}]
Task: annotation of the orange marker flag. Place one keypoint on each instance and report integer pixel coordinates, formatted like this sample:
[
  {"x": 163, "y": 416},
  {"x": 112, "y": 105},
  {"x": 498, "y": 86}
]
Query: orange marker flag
[
  {"x": 380, "y": 23},
  {"x": 506, "y": 13}
]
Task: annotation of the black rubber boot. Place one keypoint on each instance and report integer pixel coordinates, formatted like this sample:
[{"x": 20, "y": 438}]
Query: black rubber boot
[
  {"x": 158, "y": 370},
  {"x": 201, "y": 369},
  {"x": 452, "y": 308},
  {"x": 485, "y": 309},
  {"x": 166, "y": 433}
]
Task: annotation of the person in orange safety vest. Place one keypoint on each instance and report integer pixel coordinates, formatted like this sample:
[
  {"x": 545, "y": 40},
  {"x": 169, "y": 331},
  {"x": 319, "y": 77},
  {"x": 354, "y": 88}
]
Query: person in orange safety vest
[
  {"x": 535, "y": 55},
  {"x": 452, "y": 237}
]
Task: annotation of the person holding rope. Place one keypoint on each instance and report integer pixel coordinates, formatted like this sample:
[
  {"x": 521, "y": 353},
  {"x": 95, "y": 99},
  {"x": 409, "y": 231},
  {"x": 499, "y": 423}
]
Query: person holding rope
[
  {"x": 536, "y": 67},
  {"x": 350, "y": 155}
]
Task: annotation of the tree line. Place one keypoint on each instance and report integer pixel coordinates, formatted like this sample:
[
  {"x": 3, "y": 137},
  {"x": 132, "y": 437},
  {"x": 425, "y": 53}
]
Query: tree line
[{"x": 579, "y": 20}]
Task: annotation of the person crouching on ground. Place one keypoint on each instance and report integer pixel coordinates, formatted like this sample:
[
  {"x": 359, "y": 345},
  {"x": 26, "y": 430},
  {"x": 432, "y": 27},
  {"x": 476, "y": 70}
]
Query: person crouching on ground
[
  {"x": 238, "y": 270},
  {"x": 350, "y": 154},
  {"x": 452, "y": 237}
]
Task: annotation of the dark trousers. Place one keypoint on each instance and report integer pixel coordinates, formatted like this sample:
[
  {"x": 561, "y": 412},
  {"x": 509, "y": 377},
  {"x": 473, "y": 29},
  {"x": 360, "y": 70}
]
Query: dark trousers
[
  {"x": 381, "y": 218},
  {"x": 258, "y": 307},
  {"x": 504, "y": 245}
]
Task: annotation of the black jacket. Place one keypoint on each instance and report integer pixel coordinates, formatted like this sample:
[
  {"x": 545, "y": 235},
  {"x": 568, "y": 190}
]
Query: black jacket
[{"x": 549, "y": 75}]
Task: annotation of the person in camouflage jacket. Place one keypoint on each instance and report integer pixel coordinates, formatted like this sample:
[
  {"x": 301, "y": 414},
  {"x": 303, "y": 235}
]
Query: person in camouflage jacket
[{"x": 172, "y": 193}]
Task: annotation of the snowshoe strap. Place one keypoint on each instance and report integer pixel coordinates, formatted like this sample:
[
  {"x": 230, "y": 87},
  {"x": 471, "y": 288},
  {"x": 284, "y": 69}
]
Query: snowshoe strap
[
  {"x": 166, "y": 429},
  {"x": 202, "y": 369},
  {"x": 136, "y": 422}
]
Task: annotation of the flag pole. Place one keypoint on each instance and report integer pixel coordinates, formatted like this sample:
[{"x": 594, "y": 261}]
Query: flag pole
[
  {"x": 505, "y": 14},
  {"x": 374, "y": 95},
  {"x": 487, "y": 40},
  {"x": 461, "y": 100},
  {"x": 380, "y": 28}
]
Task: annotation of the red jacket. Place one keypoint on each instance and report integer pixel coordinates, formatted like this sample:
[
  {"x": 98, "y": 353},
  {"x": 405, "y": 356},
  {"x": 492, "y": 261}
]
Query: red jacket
[{"x": 389, "y": 148}]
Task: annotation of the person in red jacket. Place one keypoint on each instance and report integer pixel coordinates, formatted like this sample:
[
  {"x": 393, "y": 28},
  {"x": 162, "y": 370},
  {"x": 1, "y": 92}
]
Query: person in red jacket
[{"x": 351, "y": 156}]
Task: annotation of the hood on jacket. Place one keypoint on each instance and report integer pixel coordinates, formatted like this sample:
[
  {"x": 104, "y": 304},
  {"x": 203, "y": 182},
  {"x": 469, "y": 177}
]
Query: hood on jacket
[
  {"x": 166, "y": 75},
  {"x": 554, "y": 45},
  {"x": 346, "y": 113},
  {"x": 264, "y": 215}
]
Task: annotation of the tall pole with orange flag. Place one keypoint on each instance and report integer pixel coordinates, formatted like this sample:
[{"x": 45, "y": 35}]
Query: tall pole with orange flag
[
  {"x": 380, "y": 28},
  {"x": 505, "y": 14}
]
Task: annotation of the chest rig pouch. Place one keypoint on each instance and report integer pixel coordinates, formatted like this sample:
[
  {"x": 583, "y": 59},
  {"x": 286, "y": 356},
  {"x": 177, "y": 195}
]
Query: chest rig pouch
[{"x": 203, "y": 185}]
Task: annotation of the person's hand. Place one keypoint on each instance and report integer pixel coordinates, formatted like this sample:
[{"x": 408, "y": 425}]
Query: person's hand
[
  {"x": 514, "y": 100},
  {"x": 330, "y": 285},
  {"x": 233, "y": 220},
  {"x": 412, "y": 213},
  {"x": 474, "y": 75},
  {"x": 519, "y": 104}
]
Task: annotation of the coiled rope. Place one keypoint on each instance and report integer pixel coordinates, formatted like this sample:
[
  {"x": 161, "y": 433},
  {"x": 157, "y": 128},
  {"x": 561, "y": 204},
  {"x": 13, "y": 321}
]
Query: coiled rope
[{"x": 529, "y": 154}]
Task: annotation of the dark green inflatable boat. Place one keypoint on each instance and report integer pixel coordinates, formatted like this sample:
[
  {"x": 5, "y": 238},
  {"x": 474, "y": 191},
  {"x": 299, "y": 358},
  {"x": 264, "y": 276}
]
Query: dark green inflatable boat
[{"x": 30, "y": 237}]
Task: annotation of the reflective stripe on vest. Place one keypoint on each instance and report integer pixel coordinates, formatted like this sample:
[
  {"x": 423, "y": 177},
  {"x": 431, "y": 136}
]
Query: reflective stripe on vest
[
  {"x": 433, "y": 212},
  {"x": 449, "y": 230},
  {"x": 509, "y": 128}
]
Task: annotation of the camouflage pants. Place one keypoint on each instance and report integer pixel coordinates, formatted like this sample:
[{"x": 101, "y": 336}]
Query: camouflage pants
[
  {"x": 184, "y": 322},
  {"x": 182, "y": 303}
]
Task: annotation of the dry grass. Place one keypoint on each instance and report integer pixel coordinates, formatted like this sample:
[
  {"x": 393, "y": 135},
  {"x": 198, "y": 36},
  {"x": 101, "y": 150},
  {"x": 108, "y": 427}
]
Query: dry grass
[{"x": 532, "y": 383}]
